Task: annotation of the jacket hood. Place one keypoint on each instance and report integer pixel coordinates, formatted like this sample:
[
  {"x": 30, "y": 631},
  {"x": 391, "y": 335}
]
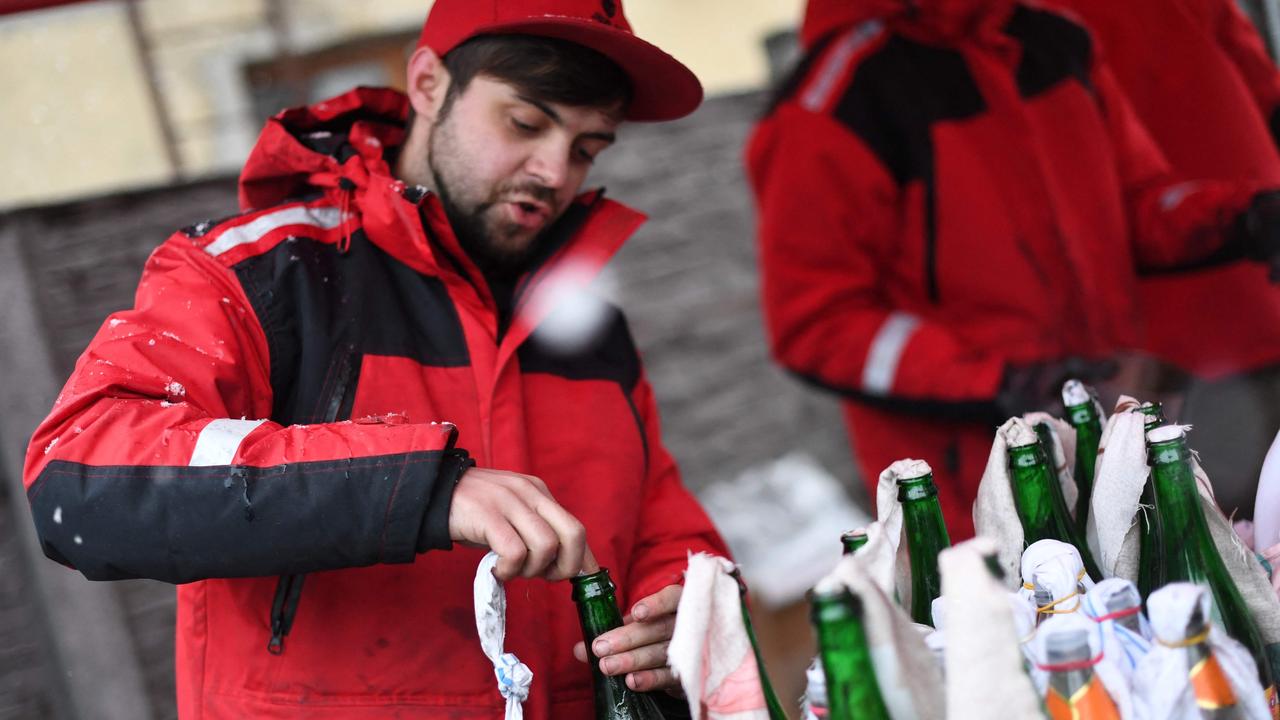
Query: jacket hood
[
  {"x": 310, "y": 148},
  {"x": 929, "y": 20}
]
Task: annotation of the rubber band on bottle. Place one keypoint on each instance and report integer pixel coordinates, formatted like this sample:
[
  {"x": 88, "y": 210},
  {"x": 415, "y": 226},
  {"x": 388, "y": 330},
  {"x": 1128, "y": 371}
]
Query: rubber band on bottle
[
  {"x": 1188, "y": 642},
  {"x": 1029, "y": 586},
  {"x": 1118, "y": 614},
  {"x": 1049, "y": 609},
  {"x": 1074, "y": 665}
]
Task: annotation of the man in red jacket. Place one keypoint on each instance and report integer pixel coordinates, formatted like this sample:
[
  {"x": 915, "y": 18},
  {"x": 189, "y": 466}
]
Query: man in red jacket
[
  {"x": 1200, "y": 79},
  {"x": 953, "y": 196},
  {"x": 289, "y": 398}
]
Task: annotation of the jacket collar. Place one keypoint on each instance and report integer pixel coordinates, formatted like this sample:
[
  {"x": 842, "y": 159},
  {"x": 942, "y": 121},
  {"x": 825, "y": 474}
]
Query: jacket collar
[
  {"x": 934, "y": 22},
  {"x": 341, "y": 148}
]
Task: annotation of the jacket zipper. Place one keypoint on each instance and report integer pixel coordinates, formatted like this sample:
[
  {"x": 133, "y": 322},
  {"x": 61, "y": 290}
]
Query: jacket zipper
[{"x": 284, "y": 606}]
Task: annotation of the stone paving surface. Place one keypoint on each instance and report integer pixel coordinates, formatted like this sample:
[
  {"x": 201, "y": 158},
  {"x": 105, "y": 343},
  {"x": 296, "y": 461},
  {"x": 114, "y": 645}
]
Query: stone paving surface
[{"x": 687, "y": 281}]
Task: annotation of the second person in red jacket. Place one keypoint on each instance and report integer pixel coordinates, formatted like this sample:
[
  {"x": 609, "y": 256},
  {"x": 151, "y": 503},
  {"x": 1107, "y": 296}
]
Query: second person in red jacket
[{"x": 953, "y": 198}]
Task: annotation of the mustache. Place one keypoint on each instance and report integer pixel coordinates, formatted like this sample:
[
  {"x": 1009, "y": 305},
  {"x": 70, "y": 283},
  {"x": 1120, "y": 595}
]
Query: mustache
[{"x": 537, "y": 191}]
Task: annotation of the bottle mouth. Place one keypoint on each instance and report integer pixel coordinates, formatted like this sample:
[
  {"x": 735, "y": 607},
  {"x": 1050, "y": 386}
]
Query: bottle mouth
[
  {"x": 1074, "y": 393},
  {"x": 590, "y": 585},
  {"x": 916, "y": 488},
  {"x": 1165, "y": 433},
  {"x": 1028, "y": 455}
]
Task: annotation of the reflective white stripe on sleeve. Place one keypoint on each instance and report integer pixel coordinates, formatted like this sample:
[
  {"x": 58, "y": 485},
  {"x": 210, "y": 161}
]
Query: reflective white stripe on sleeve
[
  {"x": 886, "y": 352},
  {"x": 219, "y": 440},
  {"x": 323, "y": 217}
]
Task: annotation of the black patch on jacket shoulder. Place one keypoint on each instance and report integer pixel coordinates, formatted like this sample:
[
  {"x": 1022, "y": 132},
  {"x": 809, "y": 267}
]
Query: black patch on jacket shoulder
[
  {"x": 1054, "y": 49},
  {"x": 612, "y": 356},
  {"x": 896, "y": 96},
  {"x": 323, "y": 310}
]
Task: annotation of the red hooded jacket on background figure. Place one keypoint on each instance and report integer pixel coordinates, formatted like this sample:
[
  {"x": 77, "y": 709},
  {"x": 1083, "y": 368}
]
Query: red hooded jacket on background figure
[
  {"x": 947, "y": 193},
  {"x": 1199, "y": 78},
  {"x": 288, "y": 396}
]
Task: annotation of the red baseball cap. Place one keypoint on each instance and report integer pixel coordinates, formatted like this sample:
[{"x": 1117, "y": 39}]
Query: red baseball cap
[{"x": 662, "y": 88}]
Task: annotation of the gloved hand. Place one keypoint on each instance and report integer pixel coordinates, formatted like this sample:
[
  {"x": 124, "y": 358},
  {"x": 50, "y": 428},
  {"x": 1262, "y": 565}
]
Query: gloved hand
[
  {"x": 1258, "y": 231},
  {"x": 1038, "y": 385}
]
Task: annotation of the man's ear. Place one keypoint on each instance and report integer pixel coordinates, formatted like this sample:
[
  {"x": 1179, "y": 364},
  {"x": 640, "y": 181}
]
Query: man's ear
[{"x": 427, "y": 81}]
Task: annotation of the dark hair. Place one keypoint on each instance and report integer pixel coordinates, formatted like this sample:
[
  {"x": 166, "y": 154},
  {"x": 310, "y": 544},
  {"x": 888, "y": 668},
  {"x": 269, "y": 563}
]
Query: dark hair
[{"x": 546, "y": 69}]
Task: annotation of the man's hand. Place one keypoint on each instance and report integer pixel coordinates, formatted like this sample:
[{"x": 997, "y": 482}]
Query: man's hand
[
  {"x": 515, "y": 516},
  {"x": 638, "y": 649},
  {"x": 1258, "y": 228},
  {"x": 1038, "y": 385}
]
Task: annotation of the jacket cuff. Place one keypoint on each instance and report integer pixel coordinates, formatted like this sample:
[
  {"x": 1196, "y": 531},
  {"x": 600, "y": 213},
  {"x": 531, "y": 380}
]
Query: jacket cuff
[{"x": 434, "y": 532}]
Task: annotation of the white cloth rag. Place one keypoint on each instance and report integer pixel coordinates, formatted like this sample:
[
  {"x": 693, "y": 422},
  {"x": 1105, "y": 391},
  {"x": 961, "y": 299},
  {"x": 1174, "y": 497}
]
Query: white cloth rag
[
  {"x": 1115, "y": 514},
  {"x": 1123, "y": 647},
  {"x": 710, "y": 652},
  {"x": 981, "y": 653},
  {"x": 1161, "y": 685},
  {"x": 1055, "y": 568},
  {"x": 995, "y": 515},
  {"x": 1114, "y": 681},
  {"x": 909, "y": 680},
  {"x": 514, "y": 677}
]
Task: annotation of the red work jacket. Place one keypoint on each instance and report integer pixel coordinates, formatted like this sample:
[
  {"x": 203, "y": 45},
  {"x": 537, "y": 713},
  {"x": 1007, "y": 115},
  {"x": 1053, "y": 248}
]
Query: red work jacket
[
  {"x": 937, "y": 203},
  {"x": 287, "y": 401},
  {"x": 1201, "y": 81}
]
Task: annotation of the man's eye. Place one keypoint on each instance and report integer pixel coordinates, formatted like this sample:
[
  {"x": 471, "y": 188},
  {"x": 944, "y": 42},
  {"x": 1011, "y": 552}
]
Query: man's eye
[
  {"x": 523, "y": 127},
  {"x": 586, "y": 156}
]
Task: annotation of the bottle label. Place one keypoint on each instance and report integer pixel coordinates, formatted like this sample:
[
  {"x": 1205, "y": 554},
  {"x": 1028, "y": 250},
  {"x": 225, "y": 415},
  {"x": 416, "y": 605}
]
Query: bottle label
[
  {"x": 1273, "y": 702},
  {"x": 1090, "y": 701},
  {"x": 1210, "y": 685}
]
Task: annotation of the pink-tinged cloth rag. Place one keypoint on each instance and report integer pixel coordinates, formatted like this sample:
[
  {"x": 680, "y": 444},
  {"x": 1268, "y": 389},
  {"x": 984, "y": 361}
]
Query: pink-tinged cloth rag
[{"x": 710, "y": 651}]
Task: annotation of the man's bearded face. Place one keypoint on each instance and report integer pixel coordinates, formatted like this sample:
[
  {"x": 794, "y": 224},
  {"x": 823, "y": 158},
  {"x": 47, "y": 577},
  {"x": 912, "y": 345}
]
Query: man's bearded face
[{"x": 506, "y": 166}]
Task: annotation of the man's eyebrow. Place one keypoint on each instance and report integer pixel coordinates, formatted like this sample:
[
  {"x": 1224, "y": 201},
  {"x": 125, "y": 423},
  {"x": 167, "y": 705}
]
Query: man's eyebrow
[{"x": 555, "y": 118}]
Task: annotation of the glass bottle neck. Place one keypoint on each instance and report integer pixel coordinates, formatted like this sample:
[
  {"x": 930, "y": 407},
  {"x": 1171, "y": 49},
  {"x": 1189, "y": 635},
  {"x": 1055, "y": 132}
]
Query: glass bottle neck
[
  {"x": 851, "y": 541},
  {"x": 852, "y": 689},
  {"x": 597, "y": 604},
  {"x": 927, "y": 536},
  {"x": 1176, "y": 496},
  {"x": 1037, "y": 496}
]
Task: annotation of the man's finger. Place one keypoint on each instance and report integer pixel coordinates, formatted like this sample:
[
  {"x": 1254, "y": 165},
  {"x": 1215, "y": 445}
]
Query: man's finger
[
  {"x": 630, "y": 637},
  {"x": 663, "y": 602},
  {"x": 647, "y": 680},
  {"x": 571, "y": 539},
  {"x": 648, "y": 657},
  {"x": 503, "y": 539},
  {"x": 539, "y": 537},
  {"x": 580, "y": 651},
  {"x": 589, "y": 562}
]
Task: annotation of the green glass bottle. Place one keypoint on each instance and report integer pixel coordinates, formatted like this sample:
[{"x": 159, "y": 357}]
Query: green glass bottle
[
  {"x": 1188, "y": 553},
  {"x": 598, "y": 613},
  {"x": 926, "y": 537},
  {"x": 852, "y": 690},
  {"x": 1083, "y": 414},
  {"x": 1148, "y": 519},
  {"x": 770, "y": 697},
  {"x": 1037, "y": 496},
  {"x": 852, "y": 540}
]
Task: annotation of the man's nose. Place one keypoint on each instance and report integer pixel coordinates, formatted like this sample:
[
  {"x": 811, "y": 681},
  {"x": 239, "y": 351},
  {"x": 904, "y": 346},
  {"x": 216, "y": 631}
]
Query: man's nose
[{"x": 549, "y": 163}]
